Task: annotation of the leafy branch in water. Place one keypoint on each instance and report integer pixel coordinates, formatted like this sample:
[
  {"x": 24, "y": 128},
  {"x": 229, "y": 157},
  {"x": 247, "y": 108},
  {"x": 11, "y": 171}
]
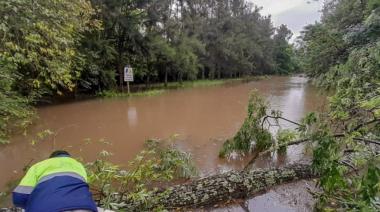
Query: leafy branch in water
[
  {"x": 113, "y": 186},
  {"x": 251, "y": 135},
  {"x": 254, "y": 134},
  {"x": 283, "y": 137}
]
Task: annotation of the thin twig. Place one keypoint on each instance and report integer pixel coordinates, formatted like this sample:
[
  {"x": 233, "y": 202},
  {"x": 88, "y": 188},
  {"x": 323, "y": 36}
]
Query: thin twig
[
  {"x": 282, "y": 118},
  {"x": 284, "y": 145},
  {"x": 366, "y": 140},
  {"x": 365, "y": 124},
  {"x": 345, "y": 163}
]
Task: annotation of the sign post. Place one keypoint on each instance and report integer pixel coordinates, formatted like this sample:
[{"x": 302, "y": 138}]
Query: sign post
[{"x": 128, "y": 75}]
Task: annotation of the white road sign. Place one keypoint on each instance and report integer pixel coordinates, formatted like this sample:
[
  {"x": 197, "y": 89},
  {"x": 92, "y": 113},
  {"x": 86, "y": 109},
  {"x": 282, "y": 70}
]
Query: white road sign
[{"x": 128, "y": 74}]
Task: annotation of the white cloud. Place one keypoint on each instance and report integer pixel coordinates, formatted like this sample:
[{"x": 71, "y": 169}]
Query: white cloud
[
  {"x": 294, "y": 13},
  {"x": 275, "y": 7}
]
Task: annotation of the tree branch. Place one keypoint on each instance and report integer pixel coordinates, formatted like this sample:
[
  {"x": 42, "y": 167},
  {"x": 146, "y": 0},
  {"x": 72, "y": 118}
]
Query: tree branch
[
  {"x": 365, "y": 124},
  {"x": 257, "y": 154},
  {"x": 282, "y": 118},
  {"x": 366, "y": 140}
]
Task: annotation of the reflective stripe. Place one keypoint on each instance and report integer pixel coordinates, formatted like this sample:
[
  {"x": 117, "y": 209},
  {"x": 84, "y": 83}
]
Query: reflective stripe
[
  {"x": 70, "y": 174},
  {"x": 24, "y": 189}
]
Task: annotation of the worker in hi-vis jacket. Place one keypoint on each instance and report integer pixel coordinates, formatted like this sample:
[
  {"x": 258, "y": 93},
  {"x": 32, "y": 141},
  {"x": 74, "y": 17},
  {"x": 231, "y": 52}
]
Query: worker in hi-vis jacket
[{"x": 56, "y": 184}]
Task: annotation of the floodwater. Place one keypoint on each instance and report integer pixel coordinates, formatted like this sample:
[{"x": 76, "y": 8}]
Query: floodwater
[{"x": 202, "y": 118}]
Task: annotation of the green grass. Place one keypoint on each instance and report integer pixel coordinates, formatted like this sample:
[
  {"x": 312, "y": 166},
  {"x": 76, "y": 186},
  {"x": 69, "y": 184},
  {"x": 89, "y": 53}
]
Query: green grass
[
  {"x": 206, "y": 83},
  {"x": 159, "y": 88},
  {"x": 196, "y": 83},
  {"x": 118, "y": 94}
]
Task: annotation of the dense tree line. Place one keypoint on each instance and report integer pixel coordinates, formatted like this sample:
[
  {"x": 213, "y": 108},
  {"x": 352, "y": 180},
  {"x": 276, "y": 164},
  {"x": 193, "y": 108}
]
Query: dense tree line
[
  {"x": 176, "y": 40},
  {"x": 52, "y": 48}
]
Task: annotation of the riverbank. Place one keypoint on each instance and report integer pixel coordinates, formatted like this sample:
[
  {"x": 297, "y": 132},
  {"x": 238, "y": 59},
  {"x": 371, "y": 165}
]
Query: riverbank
[{"x": 160, "y": 88}]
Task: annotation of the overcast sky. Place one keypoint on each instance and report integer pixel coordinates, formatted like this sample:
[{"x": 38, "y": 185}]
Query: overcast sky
[{"x": 294, "y": 13}]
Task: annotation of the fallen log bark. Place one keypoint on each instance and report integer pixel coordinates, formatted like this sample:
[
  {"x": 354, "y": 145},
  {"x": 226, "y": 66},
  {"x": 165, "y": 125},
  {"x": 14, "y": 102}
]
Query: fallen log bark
[
  {"x": 222, "y": 187},
  {"x": 231, "y": 185}
]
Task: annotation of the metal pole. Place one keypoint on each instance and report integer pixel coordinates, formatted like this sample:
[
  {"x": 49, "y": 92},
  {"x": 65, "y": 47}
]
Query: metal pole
[{"x": 128, "y": 87}]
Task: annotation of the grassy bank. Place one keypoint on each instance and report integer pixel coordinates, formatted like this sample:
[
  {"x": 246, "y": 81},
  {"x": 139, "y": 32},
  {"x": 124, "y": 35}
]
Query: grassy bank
[
  {"x": 160, "y": 88},
  {"x": 119, "y": 94}
]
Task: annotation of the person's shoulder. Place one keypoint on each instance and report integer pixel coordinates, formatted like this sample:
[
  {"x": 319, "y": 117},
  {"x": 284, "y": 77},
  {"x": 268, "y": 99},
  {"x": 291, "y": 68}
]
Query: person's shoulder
[
  {"x": 55, "y": 162},
  {"x": 52, "y": 160},
  {"x": 39, "y": 163},
  {"x": 74, "y": 161}
]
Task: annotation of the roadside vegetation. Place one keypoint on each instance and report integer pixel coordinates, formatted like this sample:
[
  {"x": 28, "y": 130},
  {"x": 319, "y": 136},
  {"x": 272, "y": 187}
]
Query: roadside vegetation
[
  {"x": 160, "y": 88},
  {"x": 118, "y": 94},
  {"x": 158, "y": 164},
  {"x": 342, "y": 52}
]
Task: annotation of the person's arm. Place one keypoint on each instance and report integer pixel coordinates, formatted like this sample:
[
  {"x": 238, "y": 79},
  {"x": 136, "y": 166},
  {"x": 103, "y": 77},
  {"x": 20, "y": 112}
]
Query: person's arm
[{"x": 22, "y": 192}]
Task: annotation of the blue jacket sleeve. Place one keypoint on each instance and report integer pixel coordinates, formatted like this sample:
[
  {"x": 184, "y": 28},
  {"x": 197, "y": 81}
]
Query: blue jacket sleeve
[
  {"x": 22, "y": 192},
  {"x": 20, "y": 200}
]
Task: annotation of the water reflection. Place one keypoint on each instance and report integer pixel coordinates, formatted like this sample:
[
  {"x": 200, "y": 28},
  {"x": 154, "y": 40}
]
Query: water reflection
[{"x": 132, "y": 116}]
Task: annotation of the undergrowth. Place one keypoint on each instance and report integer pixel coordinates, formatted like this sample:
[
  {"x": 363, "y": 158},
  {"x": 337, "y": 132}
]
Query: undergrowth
[{"x": 114, "y": 187}]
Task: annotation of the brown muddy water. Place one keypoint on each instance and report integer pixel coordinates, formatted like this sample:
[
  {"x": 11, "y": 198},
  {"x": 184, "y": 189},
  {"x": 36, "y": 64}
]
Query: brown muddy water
[{"x": 202, "y": 117}]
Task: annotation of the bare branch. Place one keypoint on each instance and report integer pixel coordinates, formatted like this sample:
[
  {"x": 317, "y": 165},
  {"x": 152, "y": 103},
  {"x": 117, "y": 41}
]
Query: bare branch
[
  {"x": 366, "y": 140},
  {"x": 348, "y": 164},
  {"x": 365, "y": 124},
  {"x": 257, "y": 154},
  {"x": 282, "y": 118}
]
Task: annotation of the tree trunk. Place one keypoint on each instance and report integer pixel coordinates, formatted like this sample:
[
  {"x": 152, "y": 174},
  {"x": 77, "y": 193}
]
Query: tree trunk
[
  {"x": 120, "y": 67},
  {"x": 231, "y": 185},
  {"x": 121, "y": 75},
  {"x": 222, "y": 187},
  {"x": 147, "y": 82},
  {"x": 180, "y": 78},
  {"x": 166, "y": 76}
]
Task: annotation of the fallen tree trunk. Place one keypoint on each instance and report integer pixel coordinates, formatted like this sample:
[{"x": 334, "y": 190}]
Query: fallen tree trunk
[
  {"x": 222, "y": 187},
  {"x": 231, "y": 185}
]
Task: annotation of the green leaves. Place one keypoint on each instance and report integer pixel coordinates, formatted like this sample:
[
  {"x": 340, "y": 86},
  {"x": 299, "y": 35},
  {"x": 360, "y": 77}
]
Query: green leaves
[
  {"x": 284, "y": 56},
  {"x": 157, "y": 163},
  {"x": 37, "y": 49},
  {"x": 285, "y": 136},
  {"x": 342, "y": 52},
  {"x": 15, "y": 112},
  {"x": 41, "y": 41},
  {"x": 370, "y": 184},
  {"x": 251, "y": 136},
  {"x": 326, "y": 158}
]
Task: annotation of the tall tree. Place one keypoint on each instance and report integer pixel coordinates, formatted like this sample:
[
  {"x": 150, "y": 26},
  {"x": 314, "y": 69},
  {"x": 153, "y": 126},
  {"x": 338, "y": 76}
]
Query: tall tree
[{"x": 40, "y": 37}]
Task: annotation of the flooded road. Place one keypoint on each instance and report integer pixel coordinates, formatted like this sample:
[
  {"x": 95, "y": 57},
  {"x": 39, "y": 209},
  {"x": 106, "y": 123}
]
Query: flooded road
[{"x": 202, "y": 117}]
